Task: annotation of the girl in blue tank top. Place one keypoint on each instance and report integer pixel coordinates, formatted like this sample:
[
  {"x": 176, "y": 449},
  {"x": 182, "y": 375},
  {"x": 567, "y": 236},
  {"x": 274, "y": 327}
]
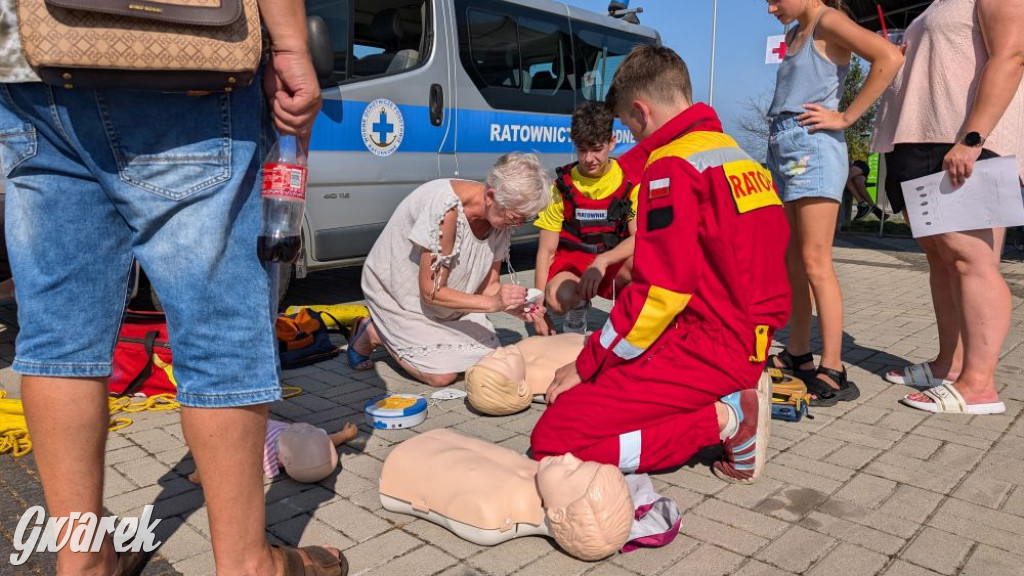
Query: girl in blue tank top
[{"x": 808, "y": 160}]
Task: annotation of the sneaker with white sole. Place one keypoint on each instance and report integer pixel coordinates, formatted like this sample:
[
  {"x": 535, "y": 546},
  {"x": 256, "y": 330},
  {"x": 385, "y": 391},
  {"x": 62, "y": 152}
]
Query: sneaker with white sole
[
  {"x": 576, "y": 319},
  {"x": 746, "y": 451}
]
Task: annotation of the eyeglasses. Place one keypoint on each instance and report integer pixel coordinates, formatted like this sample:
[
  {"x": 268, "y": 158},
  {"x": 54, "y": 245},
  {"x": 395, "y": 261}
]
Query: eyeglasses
[{"x": 514, "y": 218}]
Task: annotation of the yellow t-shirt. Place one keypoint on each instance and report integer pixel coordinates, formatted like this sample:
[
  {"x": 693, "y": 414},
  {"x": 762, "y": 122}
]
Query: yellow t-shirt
[{"x": 594, "y": 188}]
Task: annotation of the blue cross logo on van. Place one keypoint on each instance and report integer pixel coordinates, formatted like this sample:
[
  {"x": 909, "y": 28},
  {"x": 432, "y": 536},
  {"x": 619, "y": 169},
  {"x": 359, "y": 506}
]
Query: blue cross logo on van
[{"x": 382, "y": 127}]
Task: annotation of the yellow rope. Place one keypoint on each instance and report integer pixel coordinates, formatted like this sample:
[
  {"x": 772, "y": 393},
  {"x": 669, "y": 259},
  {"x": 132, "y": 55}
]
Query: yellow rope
[
  {"x": 155, "y": 403},
  {"x": 14, "y": 437}
]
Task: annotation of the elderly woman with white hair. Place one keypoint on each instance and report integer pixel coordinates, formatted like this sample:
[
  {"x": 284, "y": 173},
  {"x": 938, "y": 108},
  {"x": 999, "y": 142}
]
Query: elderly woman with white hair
[{"x": 434, "y": 272}]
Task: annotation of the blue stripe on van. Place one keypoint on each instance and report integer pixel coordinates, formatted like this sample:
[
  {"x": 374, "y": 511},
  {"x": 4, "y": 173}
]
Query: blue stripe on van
[{"x": 479, "y": 131}]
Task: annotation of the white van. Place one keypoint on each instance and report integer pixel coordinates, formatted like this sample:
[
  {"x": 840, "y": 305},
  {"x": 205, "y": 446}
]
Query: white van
[{"x": 426, "y": 89}]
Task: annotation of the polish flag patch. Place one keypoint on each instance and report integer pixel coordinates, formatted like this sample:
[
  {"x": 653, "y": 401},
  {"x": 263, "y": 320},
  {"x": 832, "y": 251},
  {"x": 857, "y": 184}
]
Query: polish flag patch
[{"x": 658, "y": 188}]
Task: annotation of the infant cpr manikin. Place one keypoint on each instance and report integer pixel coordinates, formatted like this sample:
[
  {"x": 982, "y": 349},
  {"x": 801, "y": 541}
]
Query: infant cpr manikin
[
  {"x": 488, "y": 494},
  {"x": 508, "y": 379}
]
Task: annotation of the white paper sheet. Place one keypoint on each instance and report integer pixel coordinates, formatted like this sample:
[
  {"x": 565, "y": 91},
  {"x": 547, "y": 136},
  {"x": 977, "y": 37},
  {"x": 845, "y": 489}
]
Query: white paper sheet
[{"x": 991, "y": 198}]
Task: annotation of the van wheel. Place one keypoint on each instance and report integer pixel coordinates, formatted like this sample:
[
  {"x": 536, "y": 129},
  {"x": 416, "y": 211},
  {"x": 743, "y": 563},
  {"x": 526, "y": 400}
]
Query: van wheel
[{"x": 285, "y": 273}]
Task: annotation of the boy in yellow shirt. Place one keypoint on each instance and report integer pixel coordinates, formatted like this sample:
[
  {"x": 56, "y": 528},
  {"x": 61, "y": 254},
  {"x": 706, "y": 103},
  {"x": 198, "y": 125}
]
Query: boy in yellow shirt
[{"x": 586, "y": 232}]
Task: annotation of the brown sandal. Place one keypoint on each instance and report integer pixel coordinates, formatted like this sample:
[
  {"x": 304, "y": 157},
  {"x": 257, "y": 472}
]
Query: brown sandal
[
  {"x": 131, "y": 563},
  {"x": 324, "y": 562}
]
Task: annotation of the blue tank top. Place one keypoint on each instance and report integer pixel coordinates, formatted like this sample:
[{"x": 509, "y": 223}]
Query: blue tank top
[{"x": 807, "y": 77}]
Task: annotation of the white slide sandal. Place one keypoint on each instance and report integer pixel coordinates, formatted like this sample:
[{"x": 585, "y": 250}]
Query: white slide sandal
[
  {"x": 946, "y": 400},
  {"x": 917, "y": 376}
]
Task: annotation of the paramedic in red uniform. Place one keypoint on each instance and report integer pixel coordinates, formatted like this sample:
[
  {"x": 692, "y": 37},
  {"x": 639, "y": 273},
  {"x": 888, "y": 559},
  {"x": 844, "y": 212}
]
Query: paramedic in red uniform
[
  {"x": 586, "y": 232},
  {"x": 677, "y": 365}
]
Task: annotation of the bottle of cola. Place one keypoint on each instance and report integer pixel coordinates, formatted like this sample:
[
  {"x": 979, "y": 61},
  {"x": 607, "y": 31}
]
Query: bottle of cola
[{"x": 284, "y": 195}]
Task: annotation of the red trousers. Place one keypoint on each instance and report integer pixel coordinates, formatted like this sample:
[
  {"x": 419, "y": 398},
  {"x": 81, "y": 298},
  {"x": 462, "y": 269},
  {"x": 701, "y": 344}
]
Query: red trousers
[
  {"x": 577, "y": 262},
  {"x": 647, "y": 414}
]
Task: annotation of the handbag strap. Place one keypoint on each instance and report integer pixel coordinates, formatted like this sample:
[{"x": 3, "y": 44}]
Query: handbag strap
[
  {"x": 136, "y": 384},
  {"x": 338, "y": 329},
  {"x": 222, "y": 14}
]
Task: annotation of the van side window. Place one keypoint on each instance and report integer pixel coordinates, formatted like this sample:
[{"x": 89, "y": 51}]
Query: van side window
[
  {"x": 546, "y": 54},
  {"x": 519, "y": 58},
  {"x": 337, "y": 16},
  {"x": 598, "y": 55},
  {"x": 494, "y": 49},
  {"x": 374, "y": 38}
]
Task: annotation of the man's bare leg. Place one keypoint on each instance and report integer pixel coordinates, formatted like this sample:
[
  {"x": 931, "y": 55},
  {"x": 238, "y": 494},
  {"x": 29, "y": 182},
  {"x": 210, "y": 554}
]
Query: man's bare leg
[
  {"x": 227, "y": 444},
  {"x": 68, "y": 419}
]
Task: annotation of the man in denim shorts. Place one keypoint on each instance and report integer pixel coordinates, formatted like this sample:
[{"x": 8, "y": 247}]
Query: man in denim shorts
[{"x": 98, "y": 179}]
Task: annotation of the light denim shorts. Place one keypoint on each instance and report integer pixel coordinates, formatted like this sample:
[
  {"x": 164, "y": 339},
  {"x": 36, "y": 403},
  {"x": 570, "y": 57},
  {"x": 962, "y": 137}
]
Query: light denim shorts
[
  {"x": 806, "y": 164},
  {"x": 99, "y": 178}
]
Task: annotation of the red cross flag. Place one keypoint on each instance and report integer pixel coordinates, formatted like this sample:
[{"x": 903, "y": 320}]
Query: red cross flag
[{"x": 776, "y": 50}]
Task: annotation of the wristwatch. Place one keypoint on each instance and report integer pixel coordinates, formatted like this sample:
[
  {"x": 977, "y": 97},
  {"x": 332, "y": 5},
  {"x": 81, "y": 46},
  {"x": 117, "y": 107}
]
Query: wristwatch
[{"x": 973, "y": 139}]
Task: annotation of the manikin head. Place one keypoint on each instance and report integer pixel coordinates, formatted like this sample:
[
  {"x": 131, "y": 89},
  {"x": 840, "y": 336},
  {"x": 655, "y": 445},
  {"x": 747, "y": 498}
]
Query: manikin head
[
  {"x": 588, "y": 505},
  {"x": 306, "y": 453},
  {"x": 496, "y": 385},
  {"x": 650, "y": 87}
]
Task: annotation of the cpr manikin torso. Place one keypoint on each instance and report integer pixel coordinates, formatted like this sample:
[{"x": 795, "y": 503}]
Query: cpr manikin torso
[
  {"x": 488, "y": 494},
  {"x": 508, "y": 379}
]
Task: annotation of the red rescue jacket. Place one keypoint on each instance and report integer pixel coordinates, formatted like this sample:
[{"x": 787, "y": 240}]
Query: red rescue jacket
[
  {"x": 592, "y": 225},
  {"x": 710, "y": 250}
]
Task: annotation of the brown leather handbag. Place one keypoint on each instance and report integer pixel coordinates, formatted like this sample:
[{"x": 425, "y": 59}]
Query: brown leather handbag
[{"x": 165, "y": 45}]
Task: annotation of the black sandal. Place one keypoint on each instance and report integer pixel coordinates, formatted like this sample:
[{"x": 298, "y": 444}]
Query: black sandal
[
  {"x": 790, "y": 364},
  {"x": 826, "y": 395}
]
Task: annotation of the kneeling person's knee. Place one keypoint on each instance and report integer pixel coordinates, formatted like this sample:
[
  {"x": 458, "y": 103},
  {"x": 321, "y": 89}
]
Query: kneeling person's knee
[{"x": 439, "y": 380}]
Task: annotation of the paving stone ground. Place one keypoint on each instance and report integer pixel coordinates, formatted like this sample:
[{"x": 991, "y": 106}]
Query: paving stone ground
[{"x": 865, "y": 488}]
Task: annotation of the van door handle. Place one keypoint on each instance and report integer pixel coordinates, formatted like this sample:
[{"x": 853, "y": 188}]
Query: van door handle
[{"x": 436, "y": 104}]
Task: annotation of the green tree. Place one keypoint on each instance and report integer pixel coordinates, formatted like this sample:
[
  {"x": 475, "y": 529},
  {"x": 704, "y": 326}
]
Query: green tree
[{"x": 858, "y": 136}]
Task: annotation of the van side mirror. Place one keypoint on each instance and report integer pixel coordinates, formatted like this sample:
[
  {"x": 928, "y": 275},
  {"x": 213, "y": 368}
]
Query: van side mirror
[{"x": 320, "y": 48}]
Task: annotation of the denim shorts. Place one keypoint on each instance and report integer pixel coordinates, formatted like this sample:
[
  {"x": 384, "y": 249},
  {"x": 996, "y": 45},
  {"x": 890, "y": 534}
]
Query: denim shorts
[
  {"x": 806, "y": 164},
  {"x": 97, "y": 179}
]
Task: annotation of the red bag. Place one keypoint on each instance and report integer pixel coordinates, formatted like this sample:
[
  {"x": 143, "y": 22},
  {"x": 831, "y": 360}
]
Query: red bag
[{"x": 142, "y": 357}]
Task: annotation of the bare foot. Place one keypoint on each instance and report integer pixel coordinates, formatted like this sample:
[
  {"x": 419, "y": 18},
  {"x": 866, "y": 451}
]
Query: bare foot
[
  {"x": 194, "y": 478},
  {"x": 971, "y": 395}
]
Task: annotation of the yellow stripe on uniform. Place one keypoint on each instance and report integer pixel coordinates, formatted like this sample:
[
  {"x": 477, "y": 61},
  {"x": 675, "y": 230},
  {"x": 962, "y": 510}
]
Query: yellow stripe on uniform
[
  {"x": 661, "y": 307},
  {"x": 691, "y": 143}
]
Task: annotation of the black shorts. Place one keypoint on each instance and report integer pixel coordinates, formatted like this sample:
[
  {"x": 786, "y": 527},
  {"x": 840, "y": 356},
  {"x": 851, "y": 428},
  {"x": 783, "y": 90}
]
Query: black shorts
[{"x": 910, "y": 161}]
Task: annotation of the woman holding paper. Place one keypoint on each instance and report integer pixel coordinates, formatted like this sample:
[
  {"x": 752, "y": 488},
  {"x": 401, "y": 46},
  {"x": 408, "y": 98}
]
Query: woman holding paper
[{"x": 958, "y": 99}]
